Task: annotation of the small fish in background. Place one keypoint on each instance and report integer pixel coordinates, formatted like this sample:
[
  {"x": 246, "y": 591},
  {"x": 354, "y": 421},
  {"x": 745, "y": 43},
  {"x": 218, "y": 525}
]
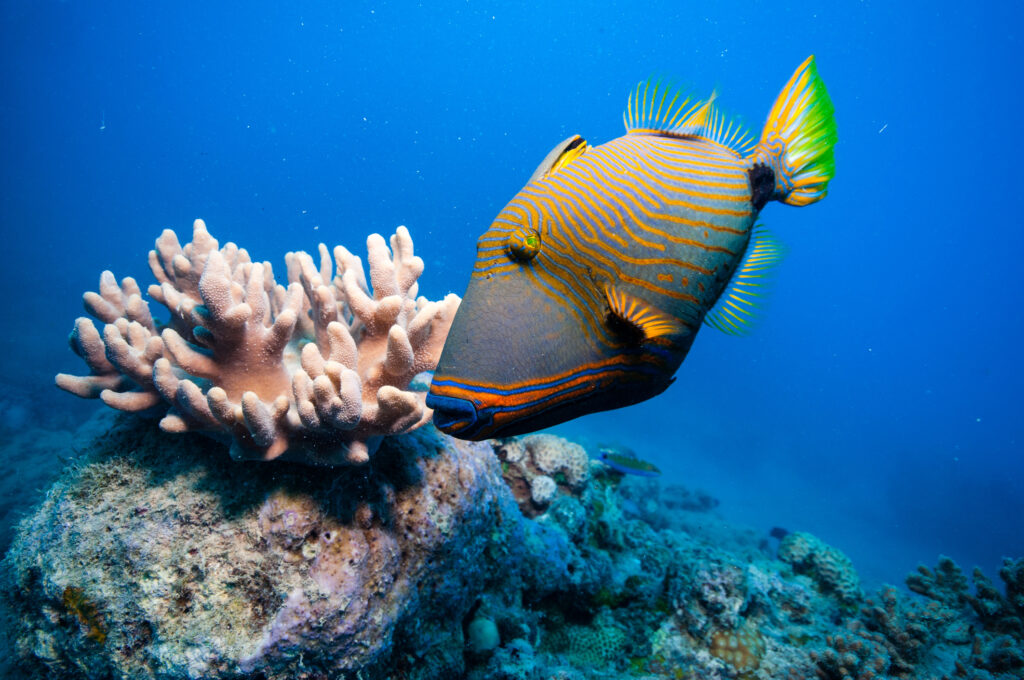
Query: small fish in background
[
  {"x": 624, "y": 461},
  {"x": 778, "y": 533},
  {"x": 591, "y": 284}
]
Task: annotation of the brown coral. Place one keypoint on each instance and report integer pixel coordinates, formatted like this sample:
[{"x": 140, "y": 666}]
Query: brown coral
[
  {"x": 742, "y": 649},
  {"x": 538, "y": 467},
  {"x": 318, "y": 370},
  {"x": 831, "y": 570},
  {"x": 87, "y": 613}
]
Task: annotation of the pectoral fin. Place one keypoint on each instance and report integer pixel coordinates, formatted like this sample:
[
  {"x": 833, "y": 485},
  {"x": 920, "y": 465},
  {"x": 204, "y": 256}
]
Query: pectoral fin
[
  {"x": 638, "y": 321},
  {"x": 738, "y": 305}
]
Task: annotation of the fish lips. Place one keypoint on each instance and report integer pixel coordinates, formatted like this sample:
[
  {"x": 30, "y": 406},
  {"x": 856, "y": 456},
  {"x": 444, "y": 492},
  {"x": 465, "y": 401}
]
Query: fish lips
[{"x": 455, "y": 416}]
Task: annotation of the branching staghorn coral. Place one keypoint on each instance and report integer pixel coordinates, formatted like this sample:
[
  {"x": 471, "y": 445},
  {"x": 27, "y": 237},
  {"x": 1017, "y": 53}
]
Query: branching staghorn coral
[{"x": 316, "y": 371}]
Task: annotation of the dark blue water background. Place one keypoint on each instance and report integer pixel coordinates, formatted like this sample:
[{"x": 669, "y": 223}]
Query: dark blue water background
[{"x": 878, "y": 404}]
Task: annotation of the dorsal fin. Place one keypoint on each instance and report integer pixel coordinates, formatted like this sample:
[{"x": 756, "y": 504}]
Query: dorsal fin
[
  {"x": 737, "y": 306},
  {"x": 564, "y": 153},
  {"x": 728, "y": 131},
  {"x": 658, "y": 107},
  {"x": 701, "y": 116}
]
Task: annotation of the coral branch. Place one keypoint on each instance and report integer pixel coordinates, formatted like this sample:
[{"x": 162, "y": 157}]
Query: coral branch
[{"x": 317, "y": 371}]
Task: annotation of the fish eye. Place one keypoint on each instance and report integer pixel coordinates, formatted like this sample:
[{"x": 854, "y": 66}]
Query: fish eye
[{"x": 523, "y": 244}]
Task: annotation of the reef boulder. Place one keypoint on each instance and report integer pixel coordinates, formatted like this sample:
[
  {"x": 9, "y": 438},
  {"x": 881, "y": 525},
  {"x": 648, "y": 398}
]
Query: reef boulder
[{"x": 158, "y": 558}]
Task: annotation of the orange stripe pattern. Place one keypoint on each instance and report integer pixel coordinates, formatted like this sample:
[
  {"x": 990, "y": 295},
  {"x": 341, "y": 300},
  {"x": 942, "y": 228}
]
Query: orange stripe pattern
[{"x": 665, "y": 219}]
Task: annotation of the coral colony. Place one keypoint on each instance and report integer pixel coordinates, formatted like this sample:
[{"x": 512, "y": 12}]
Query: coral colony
[
  {"x": 409, "y": 555},
  {"x": 317, "y": 371}
]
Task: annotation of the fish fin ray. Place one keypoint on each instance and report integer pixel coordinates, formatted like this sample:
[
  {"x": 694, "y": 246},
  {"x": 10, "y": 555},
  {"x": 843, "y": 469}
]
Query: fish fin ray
[
  {"x": 728, "y": 131},
  {"x": 737, "y": 308},
  {"x": 656, "y": 106},
  {"x": 798, "y": 139},
  {"x": 650, "y": 321}
]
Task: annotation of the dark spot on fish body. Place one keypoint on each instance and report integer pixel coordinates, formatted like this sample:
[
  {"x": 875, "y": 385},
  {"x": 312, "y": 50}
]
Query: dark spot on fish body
[
  {"x": 725, "y": 274},
  {"x": 762, "y": 185},
  {"x": 629, "y": 333}
]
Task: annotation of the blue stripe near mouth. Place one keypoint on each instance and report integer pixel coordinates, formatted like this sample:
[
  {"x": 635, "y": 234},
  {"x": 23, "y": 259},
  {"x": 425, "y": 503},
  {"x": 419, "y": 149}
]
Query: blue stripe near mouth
[
  {"x": 453, "y": 414},
  {"x": 654, "y": 371}
]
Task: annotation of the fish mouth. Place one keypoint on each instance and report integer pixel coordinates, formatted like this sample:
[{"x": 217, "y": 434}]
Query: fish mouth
[
  {"x": 473, "y": 421},
  {"x": 480, "y": 418},
  {"x": 454, "y": 416},
  {"x": 462, "y": 419},
  {"x": 479, "y": 411}
]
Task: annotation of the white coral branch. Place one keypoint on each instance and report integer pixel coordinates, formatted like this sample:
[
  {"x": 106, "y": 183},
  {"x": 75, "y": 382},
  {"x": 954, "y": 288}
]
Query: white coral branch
[{"x": 317, "y": 370}]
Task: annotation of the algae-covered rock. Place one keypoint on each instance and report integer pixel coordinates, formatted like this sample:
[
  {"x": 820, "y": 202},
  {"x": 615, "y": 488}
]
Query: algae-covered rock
[
  {"x": 155, "y": 556},
  {"x": 161, "y": 558}
]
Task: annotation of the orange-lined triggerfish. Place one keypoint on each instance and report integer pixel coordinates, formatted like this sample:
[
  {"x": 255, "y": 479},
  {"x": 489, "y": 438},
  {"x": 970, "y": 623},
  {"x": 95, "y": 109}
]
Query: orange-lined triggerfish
[{"x": 591, "y": 284}]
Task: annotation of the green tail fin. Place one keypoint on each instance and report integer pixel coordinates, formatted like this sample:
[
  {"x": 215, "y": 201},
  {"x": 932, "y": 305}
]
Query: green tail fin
[{"x": 798, "y": 138}]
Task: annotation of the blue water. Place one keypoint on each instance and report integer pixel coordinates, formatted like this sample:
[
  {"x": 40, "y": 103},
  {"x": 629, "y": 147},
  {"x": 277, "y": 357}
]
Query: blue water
[{"x": 878, "y": 403}]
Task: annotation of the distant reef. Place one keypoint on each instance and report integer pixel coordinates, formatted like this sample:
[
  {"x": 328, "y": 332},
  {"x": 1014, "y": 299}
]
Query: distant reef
[{"x": 157, "y": 556}]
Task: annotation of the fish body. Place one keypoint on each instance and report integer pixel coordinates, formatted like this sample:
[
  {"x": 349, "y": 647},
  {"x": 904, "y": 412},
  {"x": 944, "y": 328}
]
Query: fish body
[
  {"x": 628, "y": 465},
  {"x": 591, "y": 284}
]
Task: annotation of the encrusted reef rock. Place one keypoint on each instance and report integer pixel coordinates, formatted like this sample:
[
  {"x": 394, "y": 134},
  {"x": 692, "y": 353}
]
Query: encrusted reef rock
[
  {"x": 158, "y": 558},
  {"x": 951, "y": 633},
  {"x": 830, "y": 569},
  {"x": 318, "y": 371},
  {"x": 155, "y": 557},
  {"x": 540, "y": 467}
]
